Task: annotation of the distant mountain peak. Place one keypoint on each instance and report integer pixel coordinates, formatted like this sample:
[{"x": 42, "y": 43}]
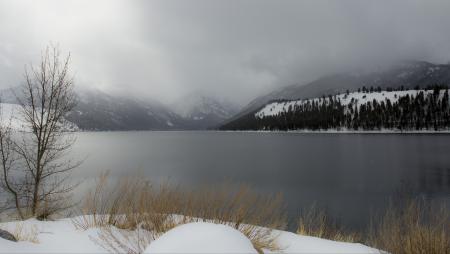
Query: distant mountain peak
[{"x": 204, "y": 111}]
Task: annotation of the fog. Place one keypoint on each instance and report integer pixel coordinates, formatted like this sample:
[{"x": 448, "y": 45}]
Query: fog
[{"x": 232, "y": 49}]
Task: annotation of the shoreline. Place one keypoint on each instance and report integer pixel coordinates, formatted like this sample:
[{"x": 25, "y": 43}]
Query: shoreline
[
  {"x": 331, "y": 131},
  {"x": 334, "y": 131}
]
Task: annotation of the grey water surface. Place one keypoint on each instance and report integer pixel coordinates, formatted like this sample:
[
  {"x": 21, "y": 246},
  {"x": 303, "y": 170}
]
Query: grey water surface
[{"x": 351, "y": 175}]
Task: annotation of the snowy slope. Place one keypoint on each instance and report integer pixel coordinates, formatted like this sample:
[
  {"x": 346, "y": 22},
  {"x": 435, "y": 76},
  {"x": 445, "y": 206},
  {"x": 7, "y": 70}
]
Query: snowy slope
[
  {"x": 10, "y": 114},
  {"x": 359, "y": 98},
  {"x": 52, "y": 237},
  {"x": 61, "y": 236}
]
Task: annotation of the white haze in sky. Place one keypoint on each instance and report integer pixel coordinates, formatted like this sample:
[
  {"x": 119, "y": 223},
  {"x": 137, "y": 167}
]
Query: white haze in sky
[{"x": 232, "y": 49}]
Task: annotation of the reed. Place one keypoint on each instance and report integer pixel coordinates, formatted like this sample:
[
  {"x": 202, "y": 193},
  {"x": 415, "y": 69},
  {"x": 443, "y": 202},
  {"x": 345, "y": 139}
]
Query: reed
[{"x": 136, "y": 205}]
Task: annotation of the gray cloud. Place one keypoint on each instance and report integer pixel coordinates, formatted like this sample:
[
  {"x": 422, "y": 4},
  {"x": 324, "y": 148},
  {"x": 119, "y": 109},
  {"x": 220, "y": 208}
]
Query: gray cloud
[{"x": 235, "y": 49}]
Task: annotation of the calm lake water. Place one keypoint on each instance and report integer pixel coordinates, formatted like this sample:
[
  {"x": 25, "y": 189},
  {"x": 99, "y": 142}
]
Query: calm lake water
[{"x": 351, "y": 175}]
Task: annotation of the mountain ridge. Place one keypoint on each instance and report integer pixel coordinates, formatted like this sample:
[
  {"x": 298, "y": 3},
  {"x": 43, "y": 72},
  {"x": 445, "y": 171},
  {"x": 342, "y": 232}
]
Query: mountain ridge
[
  {"x": 422, "y": 109},
  {"x": 408, "y": 74},
  {"x": 100, "y": 111}
]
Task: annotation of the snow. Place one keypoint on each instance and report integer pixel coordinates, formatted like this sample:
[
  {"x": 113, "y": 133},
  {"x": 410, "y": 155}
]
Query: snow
[
  {"x": 10, "y": 113},
  {"x": 294, "y": 243},
  {"x": 61, "y": 236},
  {"x": 201, "y": 237},
  {"x": 275, "y": 108},
  {"x": 53, "y": 237}
]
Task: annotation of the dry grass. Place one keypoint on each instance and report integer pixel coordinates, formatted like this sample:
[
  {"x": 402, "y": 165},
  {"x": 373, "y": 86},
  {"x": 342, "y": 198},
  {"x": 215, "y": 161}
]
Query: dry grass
[
  {"x": 132, "y": 212},
  {"x": 316, "y": 222},
  {"x": 415, "y": 228},
  {"x": 124, "y": 241},
  {"x": 419, "y": 227},
  {"x": 147, "y": 211},
  {"x": 97, "y": 207},
  {"x": 241, "y": 208},
  {"x": 24, "y": 233}
]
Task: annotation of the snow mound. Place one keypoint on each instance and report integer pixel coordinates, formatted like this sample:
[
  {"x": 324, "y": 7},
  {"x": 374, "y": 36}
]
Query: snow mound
[{"x": 201, "y": 237}]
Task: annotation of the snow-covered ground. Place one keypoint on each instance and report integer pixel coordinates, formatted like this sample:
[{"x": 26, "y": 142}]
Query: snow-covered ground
[
  {"x": 61, "y": 236},
  {"x": 10, "y": 114},
  {"x": 359, "y": 98}
]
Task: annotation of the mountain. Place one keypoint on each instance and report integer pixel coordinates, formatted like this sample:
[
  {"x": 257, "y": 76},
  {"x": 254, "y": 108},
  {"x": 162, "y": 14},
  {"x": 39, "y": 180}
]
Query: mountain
[
  {"x": 367, "y": 110},
  {"x": 96, "y": 110},
  {"x": 203, "y": 112},
  {"x": 99, "y": 111},
  {"x": 408, "y": 74}
]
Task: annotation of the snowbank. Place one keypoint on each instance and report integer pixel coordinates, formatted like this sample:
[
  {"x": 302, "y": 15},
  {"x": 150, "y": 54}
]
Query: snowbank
[
  {"x": 294, "y": 243},
  {"x": 52, "y": 237},
  {"x": 201, "y": 237},
  {"x": 61, "y": 236}
]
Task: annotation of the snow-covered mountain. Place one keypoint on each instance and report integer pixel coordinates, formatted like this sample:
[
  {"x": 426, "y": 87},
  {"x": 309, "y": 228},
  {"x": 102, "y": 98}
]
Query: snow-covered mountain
[
  {"x": 202, "y": 112},
  {"x": 352, "y": 99},
  {"x": 408, "y": 74},
  {"x": 367, "y": 110}
]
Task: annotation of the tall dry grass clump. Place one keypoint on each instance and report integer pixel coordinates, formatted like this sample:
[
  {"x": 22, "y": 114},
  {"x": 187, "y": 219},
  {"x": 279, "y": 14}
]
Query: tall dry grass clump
[
  {"x": 22, "y": 232},
  {"x": 316, "y": 222},
  {"x": 418, "y": 227},
  {"x": 253, "y": 214},
  {"x": 134, "y": 204}
]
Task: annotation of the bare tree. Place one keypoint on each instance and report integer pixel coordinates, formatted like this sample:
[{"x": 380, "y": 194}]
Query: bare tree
[{"x": 41, "y": 183}]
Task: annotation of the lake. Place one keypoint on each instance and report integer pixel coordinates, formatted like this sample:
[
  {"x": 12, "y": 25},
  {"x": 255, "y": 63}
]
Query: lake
[{"x": 351, "y": 175}]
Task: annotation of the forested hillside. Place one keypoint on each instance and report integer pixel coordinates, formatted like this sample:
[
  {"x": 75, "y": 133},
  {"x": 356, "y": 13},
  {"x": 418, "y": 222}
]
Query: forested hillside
[
  {"x": 365, "y": 109},
  {"x": 409, "y": 74}
]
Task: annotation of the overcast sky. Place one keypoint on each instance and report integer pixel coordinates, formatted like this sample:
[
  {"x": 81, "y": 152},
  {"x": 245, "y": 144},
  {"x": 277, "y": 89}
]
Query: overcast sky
[{"x": 235, "y": 49}]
